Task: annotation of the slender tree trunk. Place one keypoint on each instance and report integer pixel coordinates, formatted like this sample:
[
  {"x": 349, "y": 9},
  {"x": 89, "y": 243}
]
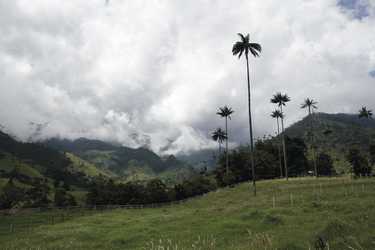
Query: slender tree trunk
[
  {"x": 226, "y": 141},
  {"x": 368, "y": 132},
  {"x": 250, "y": 126},
  {"x": 313, "y": 146},
  {"x": 282, "y": 129},
  {"x": 220, "y": 147},
  {"x": 278, "y": 144}
]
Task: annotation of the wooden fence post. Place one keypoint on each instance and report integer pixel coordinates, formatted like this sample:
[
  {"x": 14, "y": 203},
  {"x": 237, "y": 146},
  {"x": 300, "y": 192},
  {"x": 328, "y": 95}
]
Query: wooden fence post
[
  {"x": 363, "y": 188},
  {"x": 291, "y": 199},
  {"x": 346, "y": 194},
  {"x": 318, "y": 196},
  {"x": 274, "y": 202},
  {"x": 11, "y": 229}
]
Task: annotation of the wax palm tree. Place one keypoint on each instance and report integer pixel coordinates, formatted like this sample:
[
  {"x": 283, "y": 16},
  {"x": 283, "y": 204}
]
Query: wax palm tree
[
  {"x": 226, "y": 112},
  {"x": 277, "y": 114},
  {"x": 310, "y": 104},
  {"x": 244, "y": 47},
  {"x": 219, "y": 135},
  {"x": 281, "y": 100},
  {"x": 367, "y": 114}
]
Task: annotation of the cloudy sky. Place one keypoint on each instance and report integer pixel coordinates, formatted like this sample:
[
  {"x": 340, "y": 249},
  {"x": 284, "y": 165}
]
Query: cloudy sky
[{"x": 154, "y": 73}]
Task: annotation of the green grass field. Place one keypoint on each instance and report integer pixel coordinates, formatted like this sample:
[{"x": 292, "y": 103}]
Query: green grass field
[{"x": 229, "y": 219}]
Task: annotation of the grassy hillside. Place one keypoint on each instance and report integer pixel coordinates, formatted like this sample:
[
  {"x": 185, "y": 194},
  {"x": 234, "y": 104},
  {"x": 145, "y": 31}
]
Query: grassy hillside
[{"x": 229, "y": 219}]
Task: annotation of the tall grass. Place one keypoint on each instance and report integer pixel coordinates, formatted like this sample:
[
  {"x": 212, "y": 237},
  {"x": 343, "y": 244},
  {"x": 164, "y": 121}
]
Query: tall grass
[{"x": 230, "y": 219}]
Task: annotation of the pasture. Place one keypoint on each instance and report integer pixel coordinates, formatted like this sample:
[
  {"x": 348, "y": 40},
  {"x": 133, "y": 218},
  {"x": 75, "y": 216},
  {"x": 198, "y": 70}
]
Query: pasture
[{"x": 335, "y": 213}]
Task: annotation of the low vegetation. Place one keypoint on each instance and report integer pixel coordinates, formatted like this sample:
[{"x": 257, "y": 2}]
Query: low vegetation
[{"x": 336, "y": 213}]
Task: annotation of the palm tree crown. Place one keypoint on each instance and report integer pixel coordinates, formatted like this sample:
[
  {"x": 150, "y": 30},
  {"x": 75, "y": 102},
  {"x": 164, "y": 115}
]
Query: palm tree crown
[
  {"x": 277, "y": 114},
  {"x": 280, "y": 99},
  {"x": 310, "y": 104},
  {"x": 245, "y": 46},
  {"x": 225, "y": 112},
  {"x": 365, "y": 113}
]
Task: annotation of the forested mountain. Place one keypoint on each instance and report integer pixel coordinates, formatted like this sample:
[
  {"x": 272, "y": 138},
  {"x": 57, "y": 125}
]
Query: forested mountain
[
  {"x": 31, "y": 163},
  {"x": 344, "y": 131},
  {"x": 347, "y": 129},
  {"x": 137, "y": 165}
]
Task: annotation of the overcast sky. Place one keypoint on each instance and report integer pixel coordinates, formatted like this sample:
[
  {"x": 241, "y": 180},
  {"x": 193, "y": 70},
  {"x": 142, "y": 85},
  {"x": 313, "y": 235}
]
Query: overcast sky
[{"x": 154, "y": 73}]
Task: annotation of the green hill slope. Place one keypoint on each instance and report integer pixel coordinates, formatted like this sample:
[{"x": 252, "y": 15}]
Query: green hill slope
[
  {"x": 31, "y": 163},
  {"x": 126, "y": 164},
  {"x": 347, "y": 129}
]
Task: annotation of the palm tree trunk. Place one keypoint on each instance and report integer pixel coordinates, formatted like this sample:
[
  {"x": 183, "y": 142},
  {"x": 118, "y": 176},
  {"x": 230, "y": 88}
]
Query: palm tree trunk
[
  {"x": 368, "y": 132},
  {"x": 226, "y": 141},
  {"x": 282, "y": 129},
  {"x": 313, "y": 146},
  {"x": 250, "y": 126},
  {"x": 278, "y": 144}
]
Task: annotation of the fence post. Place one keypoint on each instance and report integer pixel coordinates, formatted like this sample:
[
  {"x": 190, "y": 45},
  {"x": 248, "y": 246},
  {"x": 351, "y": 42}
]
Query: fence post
[
  {"x": 11, "y": 229},
  {"x": 31, "y": 226},
  {"x": 291, "y": 199},
  {"x": 356, "y": 192},
  {"x": 318, "y": 196},
  {"x": 274, "y": 202},
  {"x": 363, "y": 188},
  {"x": 346, "y": 194}
]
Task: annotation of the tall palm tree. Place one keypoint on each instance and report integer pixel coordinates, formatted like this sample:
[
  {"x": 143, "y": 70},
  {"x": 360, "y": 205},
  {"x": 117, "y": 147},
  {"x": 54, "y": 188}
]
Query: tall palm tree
[
  {"x": 277, "y": 114},
  {"x": 310, "y": 104},
  {"x": 243, "y": 47},
  {"x": 219, "y": 135},
  {"x": 366, "y": 113},
  {"x": 281, "y": 100},
  {"x": 226, "y": 112}
]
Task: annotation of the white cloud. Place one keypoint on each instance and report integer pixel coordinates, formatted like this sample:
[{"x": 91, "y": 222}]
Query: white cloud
[{"x": 155, "y": 73}]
